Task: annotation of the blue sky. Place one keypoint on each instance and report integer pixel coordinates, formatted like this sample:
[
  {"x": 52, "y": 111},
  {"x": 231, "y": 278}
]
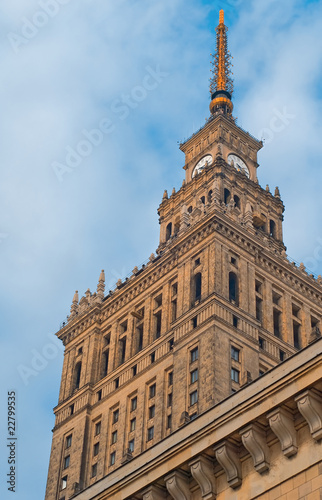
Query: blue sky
[{"x": 67, "y": 73}]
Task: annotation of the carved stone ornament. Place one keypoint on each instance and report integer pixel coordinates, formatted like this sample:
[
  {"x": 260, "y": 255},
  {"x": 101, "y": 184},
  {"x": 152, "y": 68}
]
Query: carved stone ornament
[
  {"x": 178, "y": 485},
  {"x": 227, "y": 457},
  {"x": 154, "y": 493},
  {"x": 254, "y": 440},
  {"x": 281, "y": 423},
  {"x": 201, "y": 469},
  {"x": 309, "y": 404}
]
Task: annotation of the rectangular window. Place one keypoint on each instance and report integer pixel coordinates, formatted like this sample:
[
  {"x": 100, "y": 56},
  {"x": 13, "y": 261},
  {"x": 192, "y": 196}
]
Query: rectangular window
[
  {"x": 234, "y": 353},
  {"x": 152, "y": 391},
  {"x": 97, "y": 428},
  {"x": 150, "y": 433},
  {"x": 261, "y": 343},
  {"x": 296, "y": 335},
  {"x": 193, "y": 398},
  {"x": 282, "y": 355},
  {"x": 235, "y": 321},
  {"x": 235, "y": 375},
  {"x": 112, "y": 458},
  {"x": 194, "y": 376},
  {"x": 158, "y": 322},
  {"x": 116, "y": 414},
  {"x": 94, "y": 470},
  {"x": 197, "y": 287},
  {"x": 174, "y": 310},
  {"x": 170, "y": 379},
  {"x": 69, "y": 441},
  {"x": 107, "y": 339},
  {"x": 134, "y": 370},
  {"x": 114, "y": 437},
  {"x": 158, "y": 301},
  {"x": 117, "y": 383},
  {"x": 140, "y": 337},
  {"x": 96, "y": 449},
  {"x": 99, "y": 395},
  {"x": 151, "y": 411},
  {"x": 152, "y": 357},
  {"x": 66, "y": 461},
  {"x": 64, "y": 482},
  {"x": 259, "y": 309},
  {"x": 194, "y": 322},
  {"x": 277, "y": 322},
  {"x": 132, "y": 424},
  {"x": 71, "y": 409},
  {"x": 123, "y": 326},
  {"x": 131, "y": 446},
  {"x": 171, "y": 344},
  {"x": 194, "y": 355},
  {"x": 169, "y": 421},
  {"x": 169, "y": 400},
  {"x": 105, "y": 362},
  {"x": 174, "y": 289},
  {"x": 134, "y": 403},
  {"x": 122, "y": 350},
  {"x": 258, "y": 286},
  {"x": 295, "y": 310},
  {"x": 276, "y": 298}
]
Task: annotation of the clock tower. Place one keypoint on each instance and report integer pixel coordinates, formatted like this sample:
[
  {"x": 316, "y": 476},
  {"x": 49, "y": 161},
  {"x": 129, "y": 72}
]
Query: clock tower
[{"x": 222, "y": 158}]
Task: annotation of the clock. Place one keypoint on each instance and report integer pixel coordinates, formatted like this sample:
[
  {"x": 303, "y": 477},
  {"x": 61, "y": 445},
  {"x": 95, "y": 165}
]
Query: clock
[
  {"x": 238, "y": 163},
  {"x": 201, "y": 164}
]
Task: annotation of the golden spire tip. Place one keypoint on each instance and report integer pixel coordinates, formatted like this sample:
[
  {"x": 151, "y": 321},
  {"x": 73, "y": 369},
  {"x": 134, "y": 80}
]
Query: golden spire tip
[{"x": 221, "y": 17}]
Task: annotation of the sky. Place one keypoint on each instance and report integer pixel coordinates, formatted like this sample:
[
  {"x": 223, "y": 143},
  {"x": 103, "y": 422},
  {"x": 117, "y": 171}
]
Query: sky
[{"x": 132, "y": 78}]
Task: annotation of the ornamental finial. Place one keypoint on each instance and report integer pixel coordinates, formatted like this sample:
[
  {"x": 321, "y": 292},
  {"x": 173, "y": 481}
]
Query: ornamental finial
[{"x": 221, "y": 83}]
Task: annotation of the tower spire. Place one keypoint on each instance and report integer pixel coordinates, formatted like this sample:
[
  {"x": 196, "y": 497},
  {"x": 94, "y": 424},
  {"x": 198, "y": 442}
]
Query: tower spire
[{"x": 221, "y": 83}]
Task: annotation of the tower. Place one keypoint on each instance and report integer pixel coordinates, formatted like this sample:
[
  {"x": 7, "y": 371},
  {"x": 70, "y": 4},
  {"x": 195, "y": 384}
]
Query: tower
[{"x": 200, "y": 375}]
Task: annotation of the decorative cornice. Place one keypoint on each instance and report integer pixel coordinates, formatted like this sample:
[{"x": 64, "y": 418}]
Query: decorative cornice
[
  {"x": 178, "y": 485},
  {"x": 309, "y": 404},
  {"x": 227, "y": 457},
  {"x": 201, "y": 469},
  {"x": 281, "y": 423},
  {"x": 254, "y": 440}
]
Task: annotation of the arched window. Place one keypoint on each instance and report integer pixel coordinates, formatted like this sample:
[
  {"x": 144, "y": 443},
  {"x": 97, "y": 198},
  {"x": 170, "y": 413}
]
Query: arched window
[
  {"x": 237, "y": 201},
  {"x": 203, "y": 200},
  {"x": 77, "y": 374},
  {"x": 272, "y": 228},
  {"x": 210, "y": 196},
  {"x": 233, "y": 288},
  {"x": 190, "y": 209},
  {"x": 226, "y": 196},
  {"x": 197, "y": 287},
  {"x": 168, "y": 231}
]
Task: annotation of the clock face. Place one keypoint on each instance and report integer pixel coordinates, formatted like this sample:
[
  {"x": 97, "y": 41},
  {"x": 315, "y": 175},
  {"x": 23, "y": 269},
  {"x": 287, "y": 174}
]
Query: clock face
[
  {"x": 238, "y": 163},
  {"x": 201, "y": 164}
]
